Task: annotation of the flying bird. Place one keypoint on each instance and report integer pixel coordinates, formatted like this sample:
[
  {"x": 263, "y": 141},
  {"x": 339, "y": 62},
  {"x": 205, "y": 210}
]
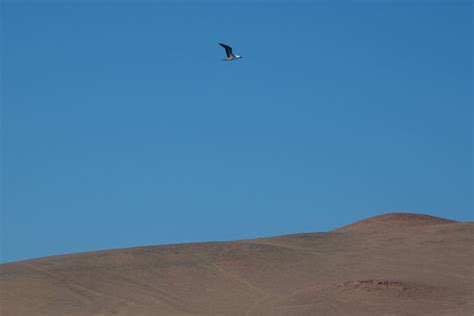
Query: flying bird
[{"x": 228, "y": 52}]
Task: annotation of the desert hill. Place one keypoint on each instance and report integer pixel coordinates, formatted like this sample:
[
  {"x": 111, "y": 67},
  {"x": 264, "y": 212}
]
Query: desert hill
[
  {"x": 394, "y": 221},
  {"x": 393, "y": 264}
]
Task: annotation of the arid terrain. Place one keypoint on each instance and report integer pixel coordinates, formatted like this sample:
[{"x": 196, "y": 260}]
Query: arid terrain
[{"x": 393, "y": 264}]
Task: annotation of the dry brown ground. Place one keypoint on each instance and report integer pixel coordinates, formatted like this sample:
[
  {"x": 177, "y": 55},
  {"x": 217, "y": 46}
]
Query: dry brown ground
[{"x": 394, "y": 264}]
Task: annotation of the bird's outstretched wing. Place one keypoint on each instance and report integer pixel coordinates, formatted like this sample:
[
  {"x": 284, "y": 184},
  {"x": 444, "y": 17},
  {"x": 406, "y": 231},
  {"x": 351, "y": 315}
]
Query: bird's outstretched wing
[{"x": 228, "y": 50}]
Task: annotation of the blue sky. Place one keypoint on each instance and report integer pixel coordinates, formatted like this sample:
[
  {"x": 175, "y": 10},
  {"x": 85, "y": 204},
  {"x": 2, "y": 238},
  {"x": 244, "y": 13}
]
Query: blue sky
[{"x": 121, "y": 126}]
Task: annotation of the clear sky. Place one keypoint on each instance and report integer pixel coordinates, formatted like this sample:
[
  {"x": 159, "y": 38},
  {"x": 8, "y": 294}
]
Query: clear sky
[{"x": 121, "y": 126}]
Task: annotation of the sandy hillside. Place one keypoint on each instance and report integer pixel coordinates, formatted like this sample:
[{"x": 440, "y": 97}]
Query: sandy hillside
[{"x": 393, "y": 264}]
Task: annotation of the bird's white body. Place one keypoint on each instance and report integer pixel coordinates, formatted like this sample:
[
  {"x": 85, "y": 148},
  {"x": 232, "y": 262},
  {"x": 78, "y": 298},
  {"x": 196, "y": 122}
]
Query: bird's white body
[{"x": 231, "y": 58}]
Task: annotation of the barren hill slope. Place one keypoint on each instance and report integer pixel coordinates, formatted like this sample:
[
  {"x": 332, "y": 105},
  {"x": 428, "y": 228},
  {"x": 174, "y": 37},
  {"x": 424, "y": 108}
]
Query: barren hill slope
[{"x": 394, "y": 264}]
